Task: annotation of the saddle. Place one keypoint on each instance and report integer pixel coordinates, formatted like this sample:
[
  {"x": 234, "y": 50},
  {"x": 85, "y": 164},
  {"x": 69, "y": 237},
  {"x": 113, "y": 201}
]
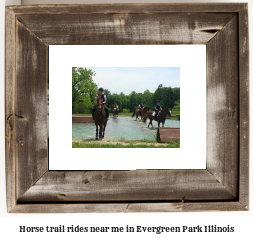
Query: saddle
[{"x": 153, "y": 114}]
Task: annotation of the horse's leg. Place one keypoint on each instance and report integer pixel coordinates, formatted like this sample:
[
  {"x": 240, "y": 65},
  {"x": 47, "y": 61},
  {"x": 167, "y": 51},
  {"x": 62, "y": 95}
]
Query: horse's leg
[
  {"x": 100, "y": 131},
  {"x": 150, "y": 122},
  {"x": 96, "y": 132},
  {"x": 158, "y": 124},
  {"x": 103, "y": 131}
]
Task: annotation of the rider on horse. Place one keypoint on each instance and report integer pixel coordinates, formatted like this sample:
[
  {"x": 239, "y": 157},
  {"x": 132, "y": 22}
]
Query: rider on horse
[
  {"x": 104, "y": 101},
  {"x": 115, "y": 106},
  {"x": 140, "y": 107},
  {"x": 157, "y": 108}
]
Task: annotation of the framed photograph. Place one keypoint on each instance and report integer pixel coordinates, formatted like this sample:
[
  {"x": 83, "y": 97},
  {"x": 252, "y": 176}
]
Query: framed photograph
[
  {"x": 48, "y": 46},
  {"x": 156, "y": 72}
]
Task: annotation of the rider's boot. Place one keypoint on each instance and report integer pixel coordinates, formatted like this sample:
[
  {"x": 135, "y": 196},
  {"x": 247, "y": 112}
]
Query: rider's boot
[{"x": 92, "y": 113}]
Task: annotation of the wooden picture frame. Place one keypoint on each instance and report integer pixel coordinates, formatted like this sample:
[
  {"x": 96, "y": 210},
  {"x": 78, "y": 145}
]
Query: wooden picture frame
[{"x": 222, "y": 186}]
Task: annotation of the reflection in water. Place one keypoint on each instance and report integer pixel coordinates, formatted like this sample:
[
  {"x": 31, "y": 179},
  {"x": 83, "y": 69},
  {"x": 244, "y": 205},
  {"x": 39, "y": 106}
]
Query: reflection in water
[{"x": 120, "y": 128}]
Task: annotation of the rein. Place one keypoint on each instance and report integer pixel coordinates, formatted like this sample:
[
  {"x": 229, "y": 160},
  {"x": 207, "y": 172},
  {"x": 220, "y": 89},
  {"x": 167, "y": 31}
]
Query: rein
[{"x": 99, "y": 103}]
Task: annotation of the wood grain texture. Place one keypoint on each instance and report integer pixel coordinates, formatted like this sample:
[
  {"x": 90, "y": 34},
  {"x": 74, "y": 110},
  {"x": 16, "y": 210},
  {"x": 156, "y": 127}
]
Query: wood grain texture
[
  {"x": 186, "y": 207},
  {"x": 223, "y": 186},
  {"x": 9, "y": 109},
  {"x": 244, "y": 106},
  {"x": 30, "y": 108},
  {"x": 154, "y": 8},
  {"x": 222, "y": 107},
  {"x": 139, "y": 185},
  {"x": 167, "y": 134},
  {"x": 129, "y": 207},
  {"x": 132, "y": 29}
]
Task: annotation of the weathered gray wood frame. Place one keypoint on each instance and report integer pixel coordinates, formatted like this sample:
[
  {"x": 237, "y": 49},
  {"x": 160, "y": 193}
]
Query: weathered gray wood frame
[{"x": 223, "y": 186}]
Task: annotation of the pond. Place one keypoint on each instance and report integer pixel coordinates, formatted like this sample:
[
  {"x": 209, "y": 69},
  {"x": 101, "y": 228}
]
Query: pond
[{"x": 120, "y": 128}]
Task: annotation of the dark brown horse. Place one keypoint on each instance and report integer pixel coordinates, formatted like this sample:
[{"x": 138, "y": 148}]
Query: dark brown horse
[
  {"x": 143, "y": 112},
  {"x": 115, "y": 112},
  {"x": 160, "y": 118},
  {"x": 100, "y": 118}
]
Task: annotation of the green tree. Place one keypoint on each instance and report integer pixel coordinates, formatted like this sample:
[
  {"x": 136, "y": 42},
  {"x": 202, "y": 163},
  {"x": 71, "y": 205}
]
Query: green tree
[
  {"x": 84, "y": 90},
  {"x": 148, "y": 99},
  {"x": 167, "y": 96},
  {"x": 123, "y": 101},
  {"x": 133, "y": 101},
  {"x": 176, "y": 93},
  {"x": 177, "y": 106},
  {"x": 108, "y": 98},
  {"x": 115, "y": 99}
]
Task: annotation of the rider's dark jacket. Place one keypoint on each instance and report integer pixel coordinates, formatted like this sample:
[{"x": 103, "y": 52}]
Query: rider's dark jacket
[
  {"x": 102, "y": 96},
  {"x": 158, "y": 106}
]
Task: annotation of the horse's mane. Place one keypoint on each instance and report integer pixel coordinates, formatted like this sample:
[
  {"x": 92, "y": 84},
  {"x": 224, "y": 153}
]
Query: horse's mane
[{"x": 145, "y": 108}]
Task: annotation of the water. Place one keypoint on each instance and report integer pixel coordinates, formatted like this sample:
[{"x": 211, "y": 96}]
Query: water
[{"x": 120, "y": 128}]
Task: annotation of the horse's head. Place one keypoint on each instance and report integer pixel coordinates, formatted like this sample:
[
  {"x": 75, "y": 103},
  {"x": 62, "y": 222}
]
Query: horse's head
[
  {"x": 99, "y": 103},
  {"x": 146, "y": 109},
  {"x": 166, "y": 111},
  {"x": 169, "y": 112}
]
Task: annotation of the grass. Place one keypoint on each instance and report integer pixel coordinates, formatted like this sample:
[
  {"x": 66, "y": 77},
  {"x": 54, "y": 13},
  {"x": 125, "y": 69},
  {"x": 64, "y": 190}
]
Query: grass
[
  {"x": 126, "y": 144},
  {"x": 140, "y": 141},
  {"x": 121, "y": 114},
  {"x": 175, "y": 112}
]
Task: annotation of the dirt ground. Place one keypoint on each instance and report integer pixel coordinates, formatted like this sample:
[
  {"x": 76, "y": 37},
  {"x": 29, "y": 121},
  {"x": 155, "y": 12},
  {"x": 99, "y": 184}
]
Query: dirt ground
[{"x": 117, "y": 142}]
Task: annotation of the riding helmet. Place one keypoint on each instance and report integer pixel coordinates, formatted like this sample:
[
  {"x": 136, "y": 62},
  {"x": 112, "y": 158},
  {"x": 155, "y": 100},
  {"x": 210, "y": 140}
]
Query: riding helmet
[
  {"x": 101, "y": 89},
  {"x": 157, "y": 101}
]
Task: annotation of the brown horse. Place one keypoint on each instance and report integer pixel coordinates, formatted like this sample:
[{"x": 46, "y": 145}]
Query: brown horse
[
  {"x": 143, "y": 112},
  {"x": 115, "y": 112},
  {"x": 160, "y": 118},
  {"x": 100, "y": 118}
]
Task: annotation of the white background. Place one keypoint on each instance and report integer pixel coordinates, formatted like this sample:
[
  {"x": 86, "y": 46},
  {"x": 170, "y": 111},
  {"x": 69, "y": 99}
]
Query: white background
[
  {"x": 192, "y": 63},
  {"x": 10, "y": 222}
]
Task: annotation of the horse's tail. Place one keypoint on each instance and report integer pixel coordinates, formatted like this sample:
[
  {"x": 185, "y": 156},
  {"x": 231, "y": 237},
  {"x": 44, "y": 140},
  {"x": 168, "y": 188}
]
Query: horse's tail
[
  {"x": 133, "y": 114},
  {"x": 144, "y": 119}
]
